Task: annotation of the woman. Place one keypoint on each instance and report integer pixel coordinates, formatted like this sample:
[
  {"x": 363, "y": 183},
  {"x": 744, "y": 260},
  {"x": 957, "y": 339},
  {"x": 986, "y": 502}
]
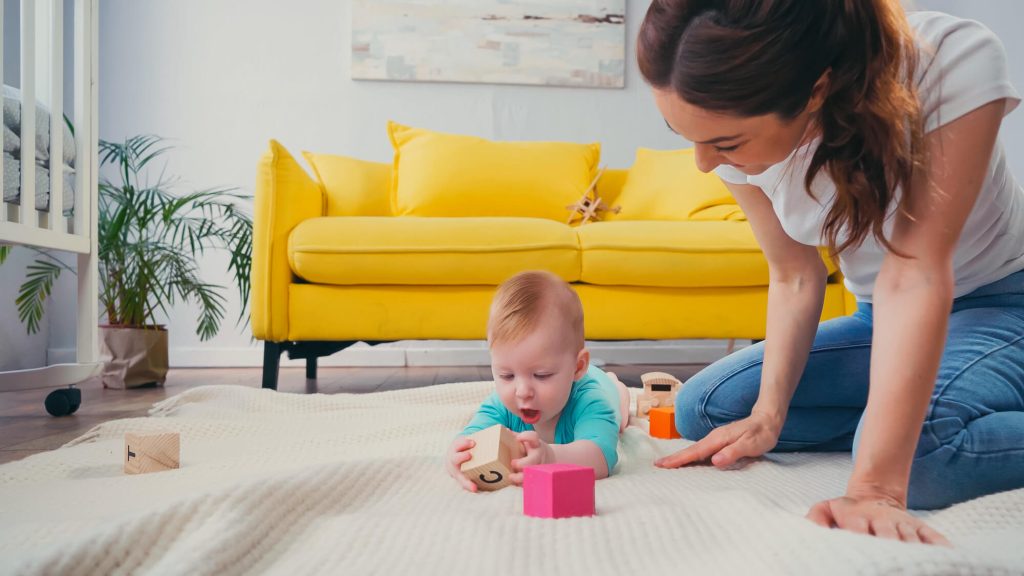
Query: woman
[{"x": 847, "y": 123}]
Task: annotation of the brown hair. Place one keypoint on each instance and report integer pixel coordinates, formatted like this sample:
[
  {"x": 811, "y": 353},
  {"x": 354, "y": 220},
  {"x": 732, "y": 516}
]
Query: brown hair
[
  {"x": 522, "y": 300},
  {"x": 757, "y": 57}
]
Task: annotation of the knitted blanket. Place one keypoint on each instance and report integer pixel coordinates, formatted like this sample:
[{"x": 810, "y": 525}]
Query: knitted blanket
[{"x": 296, "y": 484}]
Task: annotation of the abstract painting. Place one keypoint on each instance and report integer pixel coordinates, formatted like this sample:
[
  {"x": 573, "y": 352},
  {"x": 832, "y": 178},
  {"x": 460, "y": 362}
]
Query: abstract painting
[{"x": 539, "y": 42}]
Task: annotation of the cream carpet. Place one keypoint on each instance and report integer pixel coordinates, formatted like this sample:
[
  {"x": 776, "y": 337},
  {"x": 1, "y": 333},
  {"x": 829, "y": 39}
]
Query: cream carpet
[{"x": 298, "y": 484}]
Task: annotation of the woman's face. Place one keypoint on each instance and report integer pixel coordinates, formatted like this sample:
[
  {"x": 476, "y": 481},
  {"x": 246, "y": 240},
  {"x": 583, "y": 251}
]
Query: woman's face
[{"x": 750, "y": 144}]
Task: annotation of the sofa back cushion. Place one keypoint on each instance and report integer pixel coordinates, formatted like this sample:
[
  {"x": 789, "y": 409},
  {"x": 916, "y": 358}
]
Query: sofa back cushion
[
  {"x": 438, "y": 174},
  {"x": 666, "y": 185},
  {"x": 352, "y": 187}
]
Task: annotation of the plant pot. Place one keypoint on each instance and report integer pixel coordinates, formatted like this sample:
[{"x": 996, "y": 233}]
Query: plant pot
[{"x": 133, "y": 357}]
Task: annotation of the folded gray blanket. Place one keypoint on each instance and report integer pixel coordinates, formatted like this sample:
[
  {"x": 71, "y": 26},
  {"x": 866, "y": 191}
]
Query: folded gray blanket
[{"x": 12, "y": 154}]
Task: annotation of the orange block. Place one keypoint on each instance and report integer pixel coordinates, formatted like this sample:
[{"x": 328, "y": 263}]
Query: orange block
[{"x": 663, "y": 422}]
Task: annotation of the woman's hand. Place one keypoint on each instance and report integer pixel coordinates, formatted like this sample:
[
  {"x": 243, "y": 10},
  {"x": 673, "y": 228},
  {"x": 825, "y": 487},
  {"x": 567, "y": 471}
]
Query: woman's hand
[
  {"x": 869, "y": 512},
  {"x": 458, "y": 454},
  {"x": 537, "y": 452},
  {"x": 749, "y": 437}
]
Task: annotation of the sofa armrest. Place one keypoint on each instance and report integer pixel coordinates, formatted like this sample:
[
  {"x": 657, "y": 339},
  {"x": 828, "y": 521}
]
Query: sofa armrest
[{"x": 285, "y": 196}]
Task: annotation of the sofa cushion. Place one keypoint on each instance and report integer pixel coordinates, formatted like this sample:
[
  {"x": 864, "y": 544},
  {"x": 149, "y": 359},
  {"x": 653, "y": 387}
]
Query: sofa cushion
[
  {"x": 671, "y": 254},
  {"x": 352, "y": 187},
  {"x": 666, "y": 185},
  {"x": 430, "y": 251},
  {"x": 438, "y": 174}
]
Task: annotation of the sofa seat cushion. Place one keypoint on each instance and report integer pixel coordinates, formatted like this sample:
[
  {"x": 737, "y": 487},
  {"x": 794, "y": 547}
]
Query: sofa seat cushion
[
  {"x": 682, "y": 254},
  {"x": 430, "y": 251}
]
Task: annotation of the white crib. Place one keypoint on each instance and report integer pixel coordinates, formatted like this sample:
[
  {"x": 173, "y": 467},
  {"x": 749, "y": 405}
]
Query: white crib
[{"x": 42, "y": 78}]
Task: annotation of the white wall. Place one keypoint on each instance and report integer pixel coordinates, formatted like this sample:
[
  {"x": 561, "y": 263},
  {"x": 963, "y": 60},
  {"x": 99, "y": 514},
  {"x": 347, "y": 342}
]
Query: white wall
[
  {"x": 223, "y": 77},
  {"x": 1004, "y": 17}
]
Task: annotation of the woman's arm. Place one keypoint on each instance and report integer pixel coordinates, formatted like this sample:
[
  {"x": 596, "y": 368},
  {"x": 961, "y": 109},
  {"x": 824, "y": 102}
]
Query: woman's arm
[
  {"x": 912, "y": 300},
  {"x": 796, "y": 292}
]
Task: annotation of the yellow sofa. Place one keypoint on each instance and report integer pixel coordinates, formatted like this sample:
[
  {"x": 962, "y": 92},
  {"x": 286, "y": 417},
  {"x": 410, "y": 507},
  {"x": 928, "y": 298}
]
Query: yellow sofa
[{"x": 333, "y": 264}]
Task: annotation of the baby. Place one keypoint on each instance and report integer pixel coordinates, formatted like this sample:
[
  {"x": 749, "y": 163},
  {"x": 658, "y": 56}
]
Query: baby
[{"x": 562, "y": 408}]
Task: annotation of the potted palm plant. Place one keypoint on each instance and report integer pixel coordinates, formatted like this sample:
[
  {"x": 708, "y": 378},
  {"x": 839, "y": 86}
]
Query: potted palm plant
[{"x": 150, "y": 240}]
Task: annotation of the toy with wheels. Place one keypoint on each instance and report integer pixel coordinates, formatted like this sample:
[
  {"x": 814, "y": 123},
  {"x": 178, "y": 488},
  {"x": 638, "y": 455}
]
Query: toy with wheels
[{"x": 660, "y": 390}]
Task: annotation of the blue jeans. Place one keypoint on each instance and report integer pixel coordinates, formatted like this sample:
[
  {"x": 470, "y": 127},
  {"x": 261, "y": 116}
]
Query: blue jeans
[{"x": 972, "y": 442}]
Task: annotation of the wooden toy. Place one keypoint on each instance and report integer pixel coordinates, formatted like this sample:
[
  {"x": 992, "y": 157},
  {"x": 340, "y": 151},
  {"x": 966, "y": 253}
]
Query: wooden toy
[
  {"x": 663, "y": 422},
  {"x": 660, "y": 389},
  {"x": 491, "y": 464},
  {"x": 558, "y": 491},
  {"x": 590, "y": 205},
  {"x": 151, "y": 452}
]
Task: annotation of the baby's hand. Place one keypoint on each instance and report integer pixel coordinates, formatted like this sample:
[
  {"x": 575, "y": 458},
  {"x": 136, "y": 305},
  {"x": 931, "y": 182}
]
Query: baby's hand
[
  {"x": 458, "y": 454},
  {"x": 537, "y": 452}
]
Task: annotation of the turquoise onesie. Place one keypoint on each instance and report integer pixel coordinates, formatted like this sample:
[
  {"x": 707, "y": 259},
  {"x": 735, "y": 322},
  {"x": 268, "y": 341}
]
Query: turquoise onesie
[{"x": 591, "y": 413}]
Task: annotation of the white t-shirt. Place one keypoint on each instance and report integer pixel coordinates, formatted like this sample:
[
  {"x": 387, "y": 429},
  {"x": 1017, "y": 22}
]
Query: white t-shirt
[{"x": 968, "y": 71}]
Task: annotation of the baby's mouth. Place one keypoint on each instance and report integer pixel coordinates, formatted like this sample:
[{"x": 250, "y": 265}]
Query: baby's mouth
[{"x": 530, "y": 416}]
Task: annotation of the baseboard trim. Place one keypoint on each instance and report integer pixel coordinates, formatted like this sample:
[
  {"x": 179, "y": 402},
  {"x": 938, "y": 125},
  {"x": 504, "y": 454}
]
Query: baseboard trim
[{"x": 440, "y": 353}]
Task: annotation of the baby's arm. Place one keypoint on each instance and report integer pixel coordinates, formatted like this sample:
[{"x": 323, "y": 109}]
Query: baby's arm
[
  {"x": 579, "y": 452},
  {"x": 582, "y": 453},
  {"x": 489, "y": 414},
  {"x": 595, "y": 433}
]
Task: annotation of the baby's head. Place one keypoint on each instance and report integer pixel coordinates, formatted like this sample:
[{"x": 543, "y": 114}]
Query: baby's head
[{"x": 535, "y": 333}]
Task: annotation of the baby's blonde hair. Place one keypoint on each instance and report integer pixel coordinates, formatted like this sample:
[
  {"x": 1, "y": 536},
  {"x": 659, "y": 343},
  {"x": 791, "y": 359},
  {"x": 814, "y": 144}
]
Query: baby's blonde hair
[{"x": 522, "y": 300}]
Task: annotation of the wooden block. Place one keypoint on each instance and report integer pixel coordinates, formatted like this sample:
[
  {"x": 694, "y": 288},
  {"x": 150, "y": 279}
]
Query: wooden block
[
  {"x": 558, "y": 491},
  {"x": 151, "y": 453},
  {"x": 663, "y": 422},
  {"x": 491, "y": 464}
]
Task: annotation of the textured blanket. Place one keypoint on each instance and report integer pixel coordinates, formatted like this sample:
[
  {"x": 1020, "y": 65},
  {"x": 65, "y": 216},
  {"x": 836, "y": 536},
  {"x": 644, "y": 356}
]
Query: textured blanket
[{"x": 297, "y": 484}]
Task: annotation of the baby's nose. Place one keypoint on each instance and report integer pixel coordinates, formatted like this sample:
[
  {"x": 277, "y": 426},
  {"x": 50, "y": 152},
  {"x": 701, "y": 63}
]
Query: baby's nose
[{"x": 523, "y": 391}]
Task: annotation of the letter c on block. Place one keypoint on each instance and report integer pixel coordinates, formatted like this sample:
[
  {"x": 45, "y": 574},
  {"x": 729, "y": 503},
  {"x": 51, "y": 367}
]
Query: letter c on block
[{"x": 498, "y": 477}]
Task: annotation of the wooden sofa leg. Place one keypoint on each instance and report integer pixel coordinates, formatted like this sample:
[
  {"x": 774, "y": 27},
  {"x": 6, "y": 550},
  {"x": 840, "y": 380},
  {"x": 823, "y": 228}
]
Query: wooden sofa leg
[
  {"x": 311, "y": 368},
  {"x": 271, "y": 364}
]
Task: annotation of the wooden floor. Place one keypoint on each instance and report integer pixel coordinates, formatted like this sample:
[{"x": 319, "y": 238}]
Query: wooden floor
[{"x": 26, "y": 428}]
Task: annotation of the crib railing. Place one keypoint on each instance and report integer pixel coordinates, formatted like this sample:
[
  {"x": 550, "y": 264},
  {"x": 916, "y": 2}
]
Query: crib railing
[{"x": 42, "y": 78}]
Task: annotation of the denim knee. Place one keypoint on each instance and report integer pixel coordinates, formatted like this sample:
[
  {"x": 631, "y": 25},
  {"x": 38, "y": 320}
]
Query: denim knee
[
  {"x": 692, "y": 422},
  {"x": 931, "y": 483},
  {"x": 695, "y": 406},
  {"x": 719, "y": 394}
]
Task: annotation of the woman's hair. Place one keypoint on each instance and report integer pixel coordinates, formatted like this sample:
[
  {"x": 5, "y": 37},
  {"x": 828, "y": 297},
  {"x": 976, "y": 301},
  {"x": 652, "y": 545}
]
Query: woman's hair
[
  {"x": 521, "y": 302},
  {"x": 757, "y": 57}
]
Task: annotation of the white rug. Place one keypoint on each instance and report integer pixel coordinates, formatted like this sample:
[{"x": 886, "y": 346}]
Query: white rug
[{"x": 297, "y": 484}]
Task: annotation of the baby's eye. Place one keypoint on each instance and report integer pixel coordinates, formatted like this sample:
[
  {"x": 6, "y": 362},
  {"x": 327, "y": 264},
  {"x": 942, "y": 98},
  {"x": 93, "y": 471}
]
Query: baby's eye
[
  {"x": 542, "y": 376},
  {"x": 505, "y": 376}
]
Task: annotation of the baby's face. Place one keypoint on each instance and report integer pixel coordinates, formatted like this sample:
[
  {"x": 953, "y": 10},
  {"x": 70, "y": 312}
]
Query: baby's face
[{"x": 534, "y": 376}]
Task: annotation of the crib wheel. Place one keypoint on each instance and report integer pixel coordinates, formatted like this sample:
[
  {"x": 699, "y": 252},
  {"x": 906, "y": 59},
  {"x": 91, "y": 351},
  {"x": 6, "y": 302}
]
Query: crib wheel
[
  {"x": 63, "y": 402},
  {"x": 75, "y": 396}
]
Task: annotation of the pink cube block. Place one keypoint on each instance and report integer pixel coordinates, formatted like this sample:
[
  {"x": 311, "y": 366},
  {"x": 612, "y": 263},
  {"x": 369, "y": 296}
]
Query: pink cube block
[{"x": 558, "y": 491}]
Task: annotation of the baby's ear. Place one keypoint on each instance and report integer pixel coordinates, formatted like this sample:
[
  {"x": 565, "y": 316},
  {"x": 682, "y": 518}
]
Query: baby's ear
[{"x": 582, "y": 363}]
